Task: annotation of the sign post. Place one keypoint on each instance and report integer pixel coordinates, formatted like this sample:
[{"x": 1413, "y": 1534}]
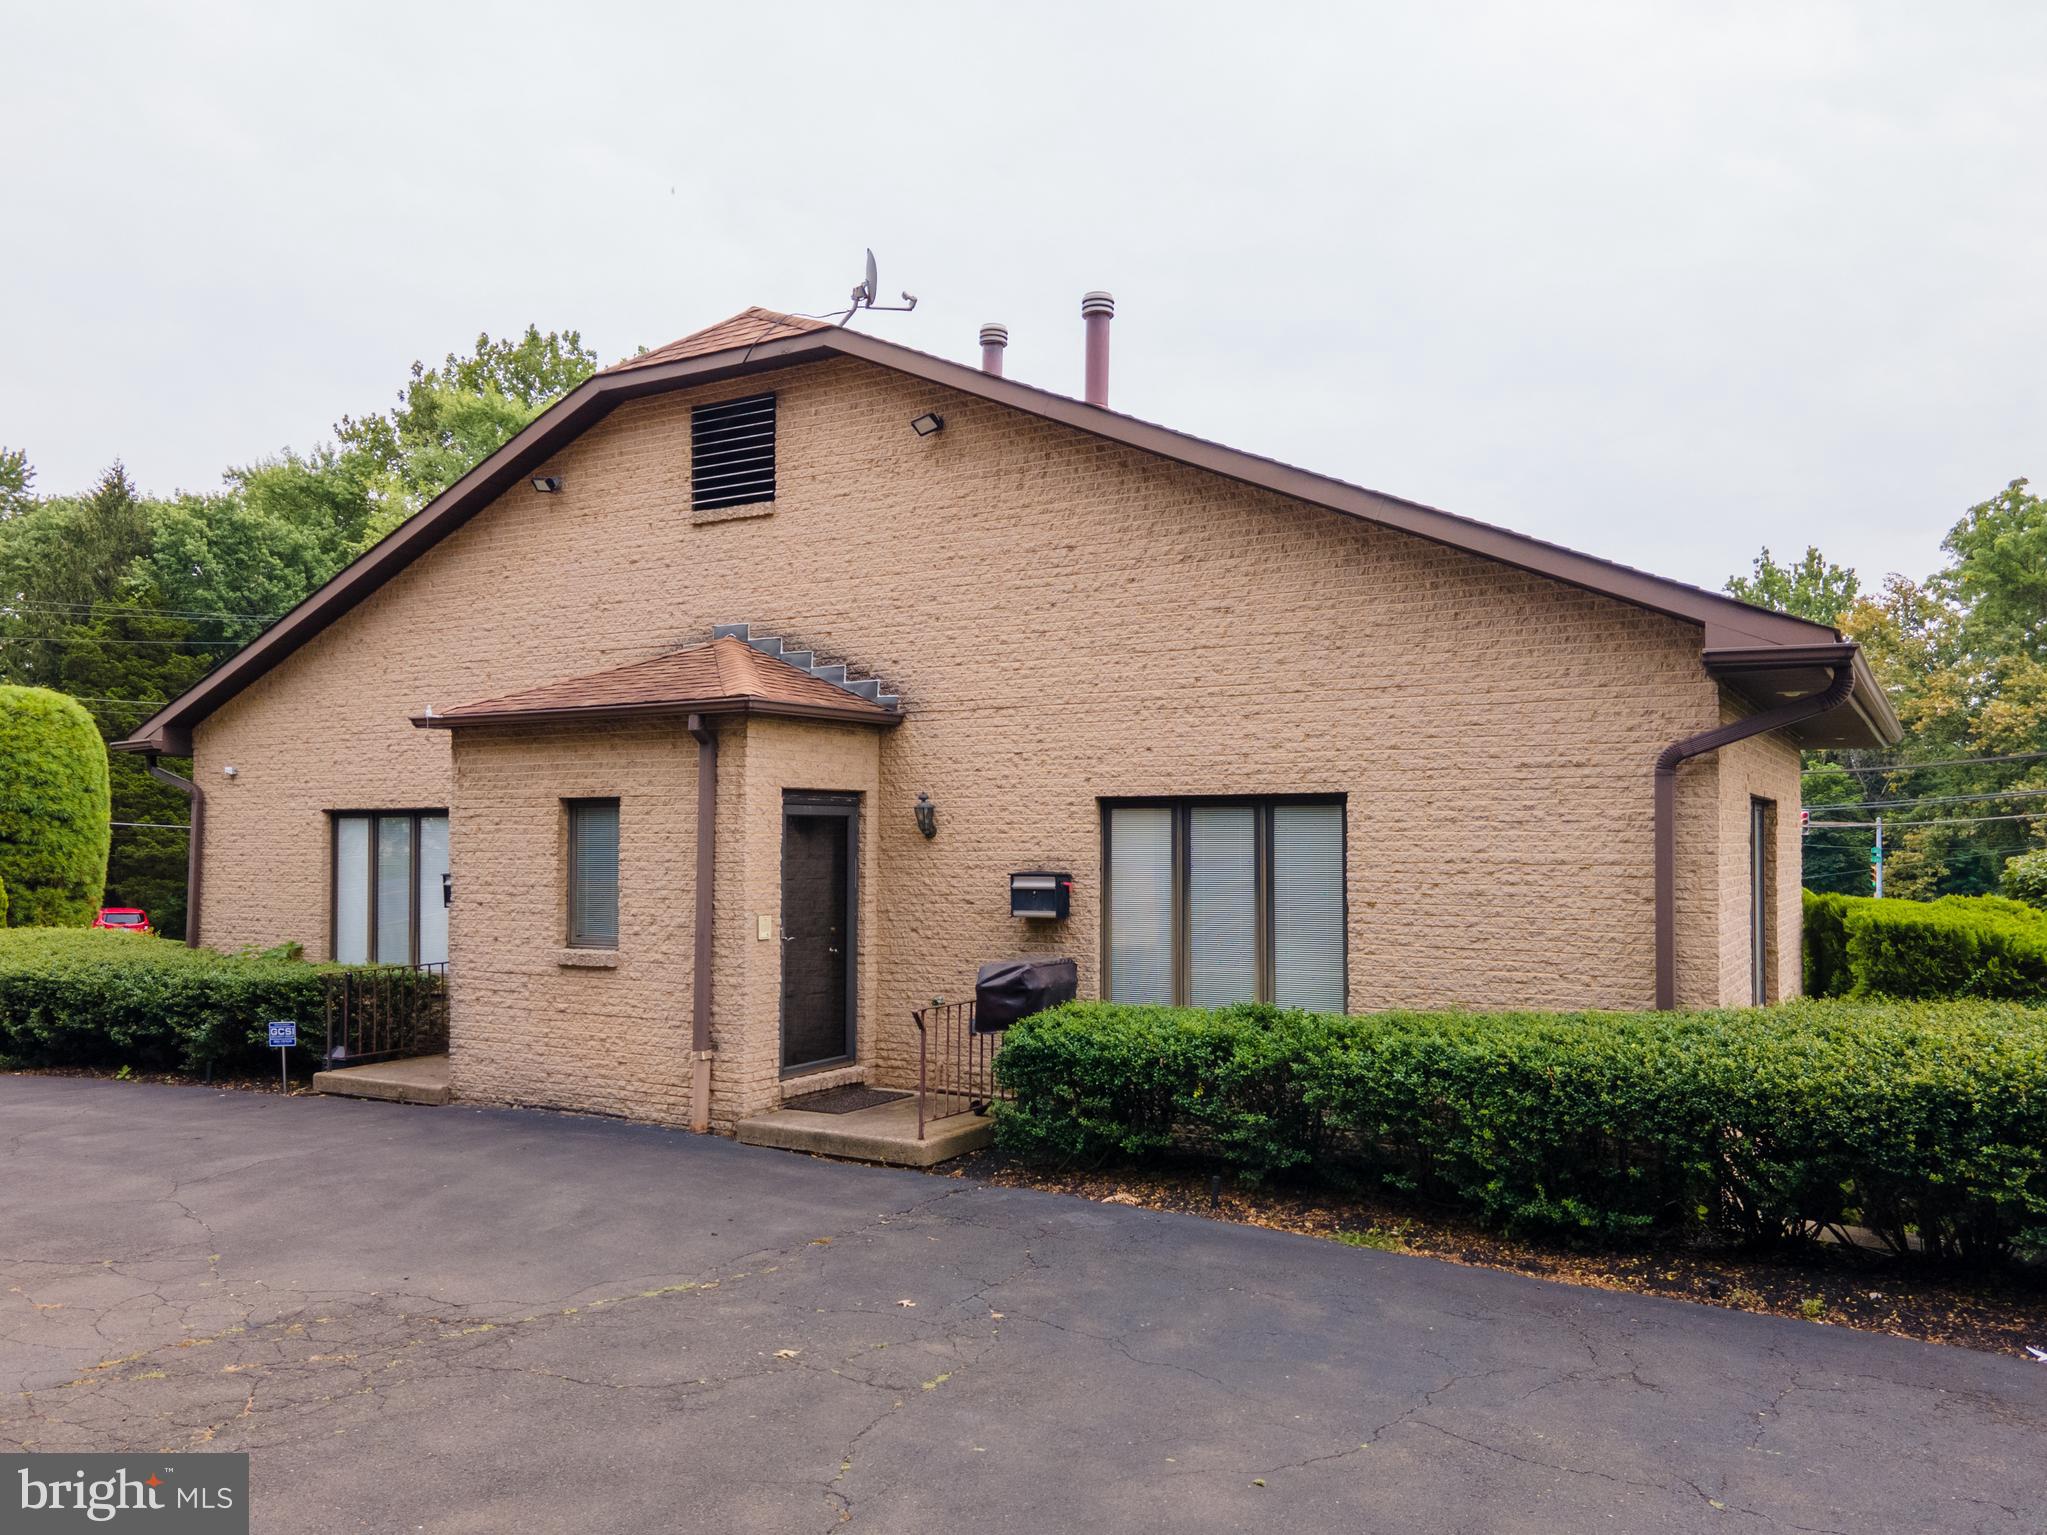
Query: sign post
[{"x": 282, "y": 1037}]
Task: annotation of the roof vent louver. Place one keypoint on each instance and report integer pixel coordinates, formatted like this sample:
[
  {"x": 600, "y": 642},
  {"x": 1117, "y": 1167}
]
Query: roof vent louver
[{"x": 732, "y": 452}]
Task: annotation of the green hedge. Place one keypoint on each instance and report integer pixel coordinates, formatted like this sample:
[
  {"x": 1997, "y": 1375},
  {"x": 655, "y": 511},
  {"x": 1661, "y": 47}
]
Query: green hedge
[
  {"x": 55, "y": 809},
  {"x": 1957, "y": 946},
  {"x": 1914, "y": 1120},
  {"x": 84, "y": 997},
  {"x": 1826, "y": 945}
]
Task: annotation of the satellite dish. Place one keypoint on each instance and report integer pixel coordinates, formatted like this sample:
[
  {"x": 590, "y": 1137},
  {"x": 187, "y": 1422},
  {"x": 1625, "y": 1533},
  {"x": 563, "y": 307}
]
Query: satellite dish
[{"x": 865, "y": 295}]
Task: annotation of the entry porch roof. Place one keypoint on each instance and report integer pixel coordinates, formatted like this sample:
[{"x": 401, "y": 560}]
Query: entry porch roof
[{"x": 725, "y": 676}]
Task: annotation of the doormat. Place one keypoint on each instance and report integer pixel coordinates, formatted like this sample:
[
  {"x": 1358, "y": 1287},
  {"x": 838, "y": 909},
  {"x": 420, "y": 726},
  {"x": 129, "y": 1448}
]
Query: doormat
[{"x": 842, "y": 1100}]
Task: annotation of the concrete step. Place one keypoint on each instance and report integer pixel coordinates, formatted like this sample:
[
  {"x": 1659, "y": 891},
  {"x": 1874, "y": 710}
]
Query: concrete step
[
  {"x": 410, "y": 1079},
  {"x": 886, "y": 1133}
]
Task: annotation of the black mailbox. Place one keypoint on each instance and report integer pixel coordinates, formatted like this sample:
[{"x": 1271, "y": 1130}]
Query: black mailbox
[
  {"x": 1038, "y": 893},
  {"x": 1011, "y": 989}
]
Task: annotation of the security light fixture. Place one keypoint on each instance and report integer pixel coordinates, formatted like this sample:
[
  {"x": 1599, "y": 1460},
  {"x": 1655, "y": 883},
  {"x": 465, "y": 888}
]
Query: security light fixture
[
  {"x": 927, "y": 815},
  {"x": 547, "y": 484},
  {"x": 931, "y": 421}
]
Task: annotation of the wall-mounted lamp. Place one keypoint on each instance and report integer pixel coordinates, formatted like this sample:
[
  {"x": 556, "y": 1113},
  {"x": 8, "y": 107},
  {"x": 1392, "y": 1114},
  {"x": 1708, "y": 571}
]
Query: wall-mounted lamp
[
  {"x": 230, "y": 771},
  {"x": 931, "y": 421},
  {"x": 547, "y": 484},
  {"x": 927, "y": 815}
]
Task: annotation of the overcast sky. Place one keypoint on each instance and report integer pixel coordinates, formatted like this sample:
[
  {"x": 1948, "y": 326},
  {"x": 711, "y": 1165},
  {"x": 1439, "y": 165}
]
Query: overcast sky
[{"x": 1663, "y": 283}]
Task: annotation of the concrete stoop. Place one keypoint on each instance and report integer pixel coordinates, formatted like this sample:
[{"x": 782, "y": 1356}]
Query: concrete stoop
[
  {"x": 410, "y": 1079},
  {"x": 886, "y": 1133}
]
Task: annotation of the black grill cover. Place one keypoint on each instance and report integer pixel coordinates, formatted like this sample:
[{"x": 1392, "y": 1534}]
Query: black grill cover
[{"x": 1015, "y": 988}]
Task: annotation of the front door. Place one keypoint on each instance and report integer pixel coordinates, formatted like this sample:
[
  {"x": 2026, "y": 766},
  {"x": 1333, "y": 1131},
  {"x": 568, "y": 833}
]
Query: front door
[{"x": 820, "y": 856}]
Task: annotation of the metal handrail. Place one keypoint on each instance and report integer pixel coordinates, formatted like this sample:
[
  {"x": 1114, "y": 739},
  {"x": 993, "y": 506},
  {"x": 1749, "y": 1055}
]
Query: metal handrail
[
  {"x": 955, "y": 1063},
  {"x": 380, "y": 1012}
]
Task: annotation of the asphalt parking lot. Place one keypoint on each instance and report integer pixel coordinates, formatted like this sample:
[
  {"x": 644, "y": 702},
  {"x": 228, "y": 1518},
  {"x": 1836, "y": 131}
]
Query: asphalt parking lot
[{"x": 455, "y": 1320}]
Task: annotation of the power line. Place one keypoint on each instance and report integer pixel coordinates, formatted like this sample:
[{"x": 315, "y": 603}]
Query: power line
[
  {"x": 1945, "y": 820},
  {"x": 107, "y": 639},
  {"x": 155, "y": 825},
  {"x": 89, "y": 609},
  {"x": 1930, "y": 799},
  {"x": 1913, "y": 767}
]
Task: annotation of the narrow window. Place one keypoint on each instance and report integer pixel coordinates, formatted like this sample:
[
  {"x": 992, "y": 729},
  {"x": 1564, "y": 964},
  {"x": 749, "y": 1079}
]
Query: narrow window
[
  {"x": 394, "y": 890},
  {"x": 732, "y": 453},
  {"x": 1211, "y": 902},
  {"x": 593, "y": 874},
  {"x": 1222, "y": 905},
  {"x": 1762, "y": 903},
  {"x": 386, "y": 895},
  {"x": 1140, "y": 900},
  {"x": 1307, "y": 907},
  {"x": 432, "y": 893},
  {"x": 352, "y": 889}
]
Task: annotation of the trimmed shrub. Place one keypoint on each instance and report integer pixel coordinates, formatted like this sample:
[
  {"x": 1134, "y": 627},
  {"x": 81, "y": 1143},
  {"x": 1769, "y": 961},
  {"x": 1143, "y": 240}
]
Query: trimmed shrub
[
  {"x": 1918, "y": 1121},
  {"x": 1826, "y": 945},
  {"x": 1956, "y": 946},
  {"x": 1960, "y": 946},
  {"x": 55, "y": 809},
  {"x": 2025, "y": 877},
  {"x": 108, "y": 999}
]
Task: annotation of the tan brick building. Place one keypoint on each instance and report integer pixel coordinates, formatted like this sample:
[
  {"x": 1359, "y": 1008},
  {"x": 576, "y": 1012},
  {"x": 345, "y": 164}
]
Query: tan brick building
[{"x": 1288, "y": 738}]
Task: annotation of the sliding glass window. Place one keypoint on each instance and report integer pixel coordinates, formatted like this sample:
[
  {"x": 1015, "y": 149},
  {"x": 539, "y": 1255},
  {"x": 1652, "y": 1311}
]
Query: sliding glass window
[
  {"x": 390, "y": 887},
  {"x": 1211, "y": 902}
]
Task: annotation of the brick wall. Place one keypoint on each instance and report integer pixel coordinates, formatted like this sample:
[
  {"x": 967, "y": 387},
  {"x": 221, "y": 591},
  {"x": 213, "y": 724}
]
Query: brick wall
[
  {"x": 524, "y": 1026},
  {"x": 1066, "y": 619},
  {"x": 1767, "y": 768}
]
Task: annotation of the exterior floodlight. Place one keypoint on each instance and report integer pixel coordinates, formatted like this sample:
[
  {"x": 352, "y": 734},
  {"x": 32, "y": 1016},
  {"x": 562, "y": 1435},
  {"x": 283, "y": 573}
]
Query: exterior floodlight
[
  {"x": 931, "y": 421},
  {"x": 547, "y": 484}
]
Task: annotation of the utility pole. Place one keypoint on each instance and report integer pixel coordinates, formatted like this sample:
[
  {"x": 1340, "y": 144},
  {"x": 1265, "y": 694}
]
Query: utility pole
[{"x": 1876, "y": 858}]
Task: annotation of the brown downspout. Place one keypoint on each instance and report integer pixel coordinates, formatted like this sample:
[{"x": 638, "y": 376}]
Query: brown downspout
[
  {"x": 194, "y": 845},
  {"x": 1832, "y": 697},
  {"x": 700, "y": 1051}
]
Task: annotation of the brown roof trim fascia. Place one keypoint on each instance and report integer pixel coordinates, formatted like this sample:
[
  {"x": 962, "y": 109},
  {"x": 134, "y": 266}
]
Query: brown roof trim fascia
[
  {"x": 169, "y": 729},
  {"x": 1727, "y": 621},
  {"x": 1751, "y": 658},
  {"x": 1727, "y": 618},
  {"x": 1867, "y": 699},
  {"x": 709, "y": 707}
]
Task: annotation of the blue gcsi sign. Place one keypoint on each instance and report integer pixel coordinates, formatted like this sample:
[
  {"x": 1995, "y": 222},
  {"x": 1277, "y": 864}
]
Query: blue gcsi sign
[{"x": 283, "y": 1035}]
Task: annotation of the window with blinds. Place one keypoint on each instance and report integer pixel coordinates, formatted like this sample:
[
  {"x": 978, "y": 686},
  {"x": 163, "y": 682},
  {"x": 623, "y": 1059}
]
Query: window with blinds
[
  {"x": 593, "y": 874},
  {"x": 732, "y": 453},
  {"x": 390, "y": 871},
  {"x": 1140, "y": 903},
  {"x": 1211, "y": 902}
]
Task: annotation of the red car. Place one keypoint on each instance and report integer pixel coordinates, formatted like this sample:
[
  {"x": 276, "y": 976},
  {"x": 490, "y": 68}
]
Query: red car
[{"x": 125, "y": 919}]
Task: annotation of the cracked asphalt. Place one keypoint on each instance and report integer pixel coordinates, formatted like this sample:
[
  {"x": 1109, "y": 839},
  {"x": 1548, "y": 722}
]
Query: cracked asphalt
[{"x": 455, "y": 1320}]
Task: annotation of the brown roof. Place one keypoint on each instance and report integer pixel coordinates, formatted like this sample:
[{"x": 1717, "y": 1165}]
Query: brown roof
[
  {"x": 1735, "y": 634},
  {"x": 727, "y": 676},
  {"x": 747, "y": 328}
]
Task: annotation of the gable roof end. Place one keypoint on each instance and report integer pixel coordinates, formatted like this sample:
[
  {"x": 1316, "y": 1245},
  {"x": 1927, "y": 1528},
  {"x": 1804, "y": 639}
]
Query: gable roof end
[
  {"x": 762, "y": 340},
  {"x": 749, "y": 327}
]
